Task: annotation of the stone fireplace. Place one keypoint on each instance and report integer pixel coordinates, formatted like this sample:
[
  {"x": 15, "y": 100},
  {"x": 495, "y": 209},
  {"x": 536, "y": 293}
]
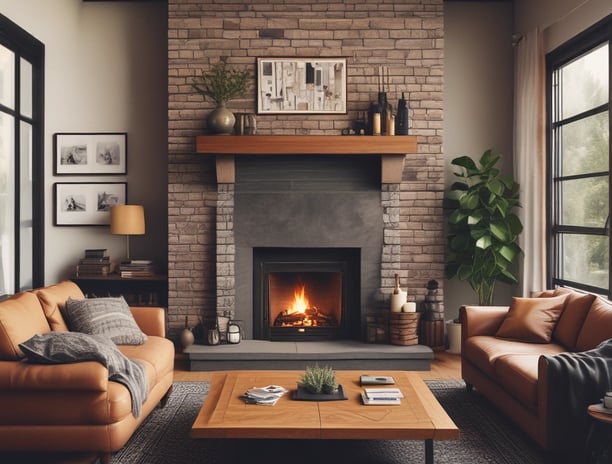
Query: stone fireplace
[
  {"x": 301, "y": 208},
  {"x": 210, "y": 262}
]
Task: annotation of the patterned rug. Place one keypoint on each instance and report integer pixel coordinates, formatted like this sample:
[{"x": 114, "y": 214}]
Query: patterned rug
[{"x": 486, "y": 437}]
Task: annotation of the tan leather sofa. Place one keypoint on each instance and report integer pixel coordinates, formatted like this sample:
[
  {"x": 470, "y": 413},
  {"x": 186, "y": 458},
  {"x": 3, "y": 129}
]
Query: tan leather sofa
[
  {"x": 515, "y": 374},
  {"x": 72, "y": 407}
]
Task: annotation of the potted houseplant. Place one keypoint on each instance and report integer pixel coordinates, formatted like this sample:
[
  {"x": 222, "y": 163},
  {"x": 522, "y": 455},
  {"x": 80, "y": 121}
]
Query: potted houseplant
[
  {"x": 482, "y": 228},
  {"x": 222, "y": 83},
  {"x": 319, "y": 380}
]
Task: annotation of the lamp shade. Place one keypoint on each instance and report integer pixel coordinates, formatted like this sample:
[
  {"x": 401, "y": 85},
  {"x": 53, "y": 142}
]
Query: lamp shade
[{"x": 127, "y": 220}]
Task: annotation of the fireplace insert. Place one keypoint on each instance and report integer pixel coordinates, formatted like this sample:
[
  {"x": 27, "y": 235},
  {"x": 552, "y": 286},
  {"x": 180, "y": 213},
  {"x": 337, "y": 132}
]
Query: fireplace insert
[{"x": 306, "y": 294}]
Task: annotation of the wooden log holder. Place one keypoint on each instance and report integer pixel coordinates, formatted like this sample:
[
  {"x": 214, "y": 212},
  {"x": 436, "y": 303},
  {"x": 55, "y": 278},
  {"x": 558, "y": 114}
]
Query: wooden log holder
[
  {"x": 403, "y": 328},
  {"x": 432, "y": 334}
]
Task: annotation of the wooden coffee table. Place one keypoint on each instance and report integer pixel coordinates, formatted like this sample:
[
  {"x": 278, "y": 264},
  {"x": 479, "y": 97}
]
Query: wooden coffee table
[{"x": 225, "y": 415}]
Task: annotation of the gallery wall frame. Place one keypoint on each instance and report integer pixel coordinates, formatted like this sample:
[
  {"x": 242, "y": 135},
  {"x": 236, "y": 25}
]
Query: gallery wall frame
[
  {"x": 301, "y": 86},
  {"x": 90, "y": 153},
  {"x": 86, "y": 203}
]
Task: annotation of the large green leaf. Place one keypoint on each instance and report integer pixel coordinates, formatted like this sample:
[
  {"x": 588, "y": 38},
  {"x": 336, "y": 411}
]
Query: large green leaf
[
  {"x": 500, "y": 231},
  {"x": 484, "y": 242}
]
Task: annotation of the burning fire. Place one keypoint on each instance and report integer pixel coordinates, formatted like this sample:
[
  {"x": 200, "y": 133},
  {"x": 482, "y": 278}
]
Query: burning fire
[
  {"x": 300, "y": 314},
  {"x": 300, "y": 302}
]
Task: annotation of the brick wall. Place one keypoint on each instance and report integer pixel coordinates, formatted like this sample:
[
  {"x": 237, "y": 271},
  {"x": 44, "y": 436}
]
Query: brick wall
[{"x": 404, "y": 35}]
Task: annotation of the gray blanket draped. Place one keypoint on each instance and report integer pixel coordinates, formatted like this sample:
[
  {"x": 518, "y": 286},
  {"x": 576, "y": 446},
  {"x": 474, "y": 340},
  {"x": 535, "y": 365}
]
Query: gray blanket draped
[
  {"x": 72, "y": 347},
  {"x": 575, "y": 381}
]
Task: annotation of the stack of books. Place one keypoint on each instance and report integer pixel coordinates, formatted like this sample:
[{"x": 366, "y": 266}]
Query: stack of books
[
  {"x": 381, "y": 396},
  {"x": 137, "y": 268},
  {"x": 264, "y": 395},
  {"x": 95, "y": 263}
]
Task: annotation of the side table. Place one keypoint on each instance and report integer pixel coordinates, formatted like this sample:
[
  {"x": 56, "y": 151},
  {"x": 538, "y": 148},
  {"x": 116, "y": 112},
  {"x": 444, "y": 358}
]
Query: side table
[
  {"x": 137, "y": 291},
  {"x": 599, "y": 440}
]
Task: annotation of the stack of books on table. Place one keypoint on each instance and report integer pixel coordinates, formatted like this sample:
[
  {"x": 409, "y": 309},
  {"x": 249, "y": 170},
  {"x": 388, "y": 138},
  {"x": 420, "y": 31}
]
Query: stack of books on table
[
  {"x": 381, "y": 396},
  {"x": 264, "y": 395},
  {"x": 95, "y": 263},
  {"x": 137, "y": 268}
]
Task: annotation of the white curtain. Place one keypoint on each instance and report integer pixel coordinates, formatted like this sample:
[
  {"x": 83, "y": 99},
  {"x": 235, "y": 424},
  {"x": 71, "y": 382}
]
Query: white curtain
[{"x": 530, "y": 158}]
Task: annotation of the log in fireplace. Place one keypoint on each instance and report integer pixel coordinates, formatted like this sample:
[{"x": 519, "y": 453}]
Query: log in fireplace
[{"x": 306, "y": 294}]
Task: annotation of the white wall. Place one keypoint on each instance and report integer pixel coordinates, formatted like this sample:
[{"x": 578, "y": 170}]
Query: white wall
[
  {"x": 478, "y": 80},
  {"x": 105, "y": 71}
]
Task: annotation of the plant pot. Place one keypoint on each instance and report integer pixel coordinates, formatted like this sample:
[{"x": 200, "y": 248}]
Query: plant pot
[
  {"x": 453, "y": 330},
  {"x": 220, "y": 120}
]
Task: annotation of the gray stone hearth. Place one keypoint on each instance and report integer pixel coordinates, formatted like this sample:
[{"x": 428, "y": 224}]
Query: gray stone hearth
[{"x": 342, "y": 354}]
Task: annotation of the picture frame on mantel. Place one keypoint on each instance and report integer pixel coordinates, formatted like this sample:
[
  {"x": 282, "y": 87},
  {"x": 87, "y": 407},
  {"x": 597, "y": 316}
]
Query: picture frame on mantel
[
  {"x": 90, "y": 153},
  {"x": 87, "y": 204},
  {"x": 301, "y": 86}
]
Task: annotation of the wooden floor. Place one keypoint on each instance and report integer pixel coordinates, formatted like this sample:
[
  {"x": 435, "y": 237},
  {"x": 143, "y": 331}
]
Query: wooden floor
[{"x": 444, "y": 366}]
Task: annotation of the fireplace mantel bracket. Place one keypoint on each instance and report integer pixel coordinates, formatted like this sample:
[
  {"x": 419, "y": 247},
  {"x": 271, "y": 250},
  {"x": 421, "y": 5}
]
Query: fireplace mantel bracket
[{"x": 391, "y": 149}]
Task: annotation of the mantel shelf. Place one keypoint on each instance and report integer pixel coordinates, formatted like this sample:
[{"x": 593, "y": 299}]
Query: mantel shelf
[
  {"x": 391, "y": 149},
  {"x": 305, "y": 145}
]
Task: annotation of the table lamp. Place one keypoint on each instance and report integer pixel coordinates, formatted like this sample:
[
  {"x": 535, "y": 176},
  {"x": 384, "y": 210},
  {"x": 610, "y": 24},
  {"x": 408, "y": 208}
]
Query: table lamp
[{"x": 127, "y": 220}]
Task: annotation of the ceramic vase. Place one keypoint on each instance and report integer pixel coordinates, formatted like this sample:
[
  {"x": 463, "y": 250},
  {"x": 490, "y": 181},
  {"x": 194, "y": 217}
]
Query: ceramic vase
[
  {"x": 187, "y": 337},
  {"x": 221, "y": 120}
]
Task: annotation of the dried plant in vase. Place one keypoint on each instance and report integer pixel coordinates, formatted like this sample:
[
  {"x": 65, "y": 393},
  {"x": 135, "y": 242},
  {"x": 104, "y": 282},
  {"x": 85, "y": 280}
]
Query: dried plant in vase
[
  {"x": 318, "y": 380},
  {"x": 222, "y": 83}
]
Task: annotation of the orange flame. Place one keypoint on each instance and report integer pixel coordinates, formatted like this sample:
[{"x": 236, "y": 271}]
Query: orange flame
[{"x": 300, "y": 302}]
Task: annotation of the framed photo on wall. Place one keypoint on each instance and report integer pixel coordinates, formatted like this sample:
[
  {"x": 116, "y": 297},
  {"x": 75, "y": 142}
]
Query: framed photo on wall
[
  {"x": 90, "y": 153},
  {"x": 87, "y": 204},
  {"x": 301, "y": 85}
]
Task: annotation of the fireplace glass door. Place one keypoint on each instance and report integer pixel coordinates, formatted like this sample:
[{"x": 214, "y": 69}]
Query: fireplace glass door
[{"x": 303, "y": 298}]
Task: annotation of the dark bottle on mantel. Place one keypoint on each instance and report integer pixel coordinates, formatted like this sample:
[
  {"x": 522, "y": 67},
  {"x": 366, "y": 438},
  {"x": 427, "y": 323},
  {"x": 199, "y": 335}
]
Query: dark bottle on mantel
[{"x": 401, "y": 120}]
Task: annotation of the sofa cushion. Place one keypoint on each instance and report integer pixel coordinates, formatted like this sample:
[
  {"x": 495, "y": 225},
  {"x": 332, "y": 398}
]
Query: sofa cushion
[
  {"x": 518, "y": 374},
  {"x": 573, "y": 316},
  {"x": 53, "y": 298},
  {"x": 21, "y": 317},
  {"x": 597, "y": 326},
  {"x": 156, "y": 354},
  {"x": 104, "y": 316},
  {"x": 532, "y": 319},
  {"x": 484, "y": 350}
]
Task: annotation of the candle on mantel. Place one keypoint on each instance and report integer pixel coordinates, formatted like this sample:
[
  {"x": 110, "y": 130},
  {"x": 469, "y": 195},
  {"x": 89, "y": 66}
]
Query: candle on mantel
[
  {"x": 409, "y": 307},
  {"x": 376, "y": 124}
]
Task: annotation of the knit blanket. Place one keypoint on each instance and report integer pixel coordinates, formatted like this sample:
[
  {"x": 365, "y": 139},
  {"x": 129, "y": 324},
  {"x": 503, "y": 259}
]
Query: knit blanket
[
  {"x": 575, "y": 381},
  {"x": 72, "y": 347}
]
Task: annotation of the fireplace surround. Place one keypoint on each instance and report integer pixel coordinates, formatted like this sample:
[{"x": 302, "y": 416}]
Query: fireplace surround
[{"x": 307, "y": 192}]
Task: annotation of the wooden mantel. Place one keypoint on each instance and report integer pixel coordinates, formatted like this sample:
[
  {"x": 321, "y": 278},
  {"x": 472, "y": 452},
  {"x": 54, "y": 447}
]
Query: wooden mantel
[{"x": 392, "y": 149}]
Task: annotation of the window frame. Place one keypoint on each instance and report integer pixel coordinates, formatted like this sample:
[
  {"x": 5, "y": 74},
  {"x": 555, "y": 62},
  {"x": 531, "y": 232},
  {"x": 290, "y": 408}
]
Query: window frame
[
  {"x": 589, "y": 40},
  {"x": 27, "y": 47}
]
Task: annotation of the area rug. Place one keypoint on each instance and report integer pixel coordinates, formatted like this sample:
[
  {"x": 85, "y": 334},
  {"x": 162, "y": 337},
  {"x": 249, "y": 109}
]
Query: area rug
[{"x": 486, "y": 437}]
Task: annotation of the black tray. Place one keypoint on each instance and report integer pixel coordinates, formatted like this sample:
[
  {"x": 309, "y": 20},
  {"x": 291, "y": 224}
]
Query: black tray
[{"x": 301, "y": 394}]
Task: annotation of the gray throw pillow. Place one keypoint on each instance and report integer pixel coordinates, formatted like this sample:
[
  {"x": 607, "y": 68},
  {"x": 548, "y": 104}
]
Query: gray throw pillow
[
  {"x": 104, "y": 316},
  {"x": 65, "y": 347}
]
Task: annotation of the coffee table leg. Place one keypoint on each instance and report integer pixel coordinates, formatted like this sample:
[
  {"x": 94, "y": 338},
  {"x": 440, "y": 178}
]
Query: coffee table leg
[{"x": 429, "y": 451}]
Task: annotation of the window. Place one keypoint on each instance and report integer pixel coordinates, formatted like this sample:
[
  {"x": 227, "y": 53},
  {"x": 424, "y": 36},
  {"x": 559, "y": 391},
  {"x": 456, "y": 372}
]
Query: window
[
  {"x": 21, "y": 159},
  {"x": 578, "y": 75}
]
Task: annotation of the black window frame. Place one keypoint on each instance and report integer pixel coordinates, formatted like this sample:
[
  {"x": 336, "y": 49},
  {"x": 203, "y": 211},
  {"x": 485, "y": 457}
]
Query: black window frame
[
  {"x": 590, "y": 39},
  {"x": 27, "y": 47}
]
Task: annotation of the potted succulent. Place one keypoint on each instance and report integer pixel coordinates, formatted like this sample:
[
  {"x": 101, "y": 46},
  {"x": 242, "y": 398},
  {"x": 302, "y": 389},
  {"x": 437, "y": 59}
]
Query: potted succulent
[
  {"x": 319, "y": 380},
  {"x": 222, "y": 83},
  {"x": 482, "y": 228}
]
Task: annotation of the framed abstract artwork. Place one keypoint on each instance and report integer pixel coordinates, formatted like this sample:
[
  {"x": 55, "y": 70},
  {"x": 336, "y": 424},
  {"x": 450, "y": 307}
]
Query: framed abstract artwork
[{"x": 301, "y": 85}]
